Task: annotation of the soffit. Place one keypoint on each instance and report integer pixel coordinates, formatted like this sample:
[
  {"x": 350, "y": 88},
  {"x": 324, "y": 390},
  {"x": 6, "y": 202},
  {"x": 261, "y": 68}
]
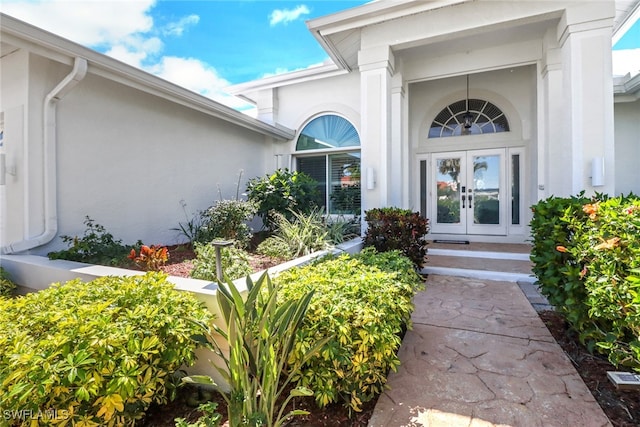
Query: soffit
[
  {"x": 625, "y": 10},
  {"x": 341, "y": 34}
]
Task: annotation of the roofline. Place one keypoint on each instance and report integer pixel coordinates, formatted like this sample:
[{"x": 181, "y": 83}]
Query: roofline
[
  {"x": 627, "y": 88},
  {"x": 366, "y": 14},
  {"x": 62, "y": 50},
  {"x": 626, "y": 23},
  {"x": 299, "y": 76}
]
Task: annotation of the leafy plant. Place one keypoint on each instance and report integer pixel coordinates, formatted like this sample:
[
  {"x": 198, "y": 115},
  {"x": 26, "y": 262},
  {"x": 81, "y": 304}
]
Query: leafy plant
[
  {"x": 304, "y": 234},
  {"x": 361, "y": 304},
  {"x": 191, "y": 229},
  {"x": 587, "y": 254},
  {"x": 235, "y": 262},
  {"x": 397, "y": 229},
  {"x": 102, "y": 351},
  {"x": 151, "y": 258},
  {"x": 96, "y": 246},
  {"x": 260, "y": 334},
  {"x": 340, "y": 229},
  {"x": 211, "y": 417},
  {"x": 6, "y": 285},
  {"x": 283, "y": 192},
  {"x": 226, "y": 219},
  {"x": 275, "y": 247}
]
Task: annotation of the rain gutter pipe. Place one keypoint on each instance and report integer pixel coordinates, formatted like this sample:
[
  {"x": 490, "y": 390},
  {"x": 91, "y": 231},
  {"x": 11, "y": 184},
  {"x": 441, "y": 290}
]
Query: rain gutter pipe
[{"x": 50, "y": 162}]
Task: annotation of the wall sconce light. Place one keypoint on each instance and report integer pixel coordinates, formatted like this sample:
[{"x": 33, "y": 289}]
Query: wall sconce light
[
  {"x": 597, "y": 172},
  {"x": 371, "y": 179}
]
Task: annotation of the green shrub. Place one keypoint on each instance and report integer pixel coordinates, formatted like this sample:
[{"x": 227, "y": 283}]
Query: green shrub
[
  {"x": 397, "y": 229},
  {"x": 592, "y": 246},
  {"x": 304, "y": 233},
  {"x": 283, "y": 192},
  {"x": 100, "y": 352},
  {"x": 6, "y": 285},
  {"x": 235, "y": 262},
  {"x": 226, "y": 220},
  {"x": 275, "y": 247},
  {"x": 96, "y": 246},
  {"x": 558, "y": 273},
  {"x": 362, "y": 304},
  {"x": 340, "y": 229}
]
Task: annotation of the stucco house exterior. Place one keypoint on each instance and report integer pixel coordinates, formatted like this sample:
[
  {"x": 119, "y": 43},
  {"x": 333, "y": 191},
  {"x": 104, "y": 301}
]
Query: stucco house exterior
[
  {"x": 86, "y": 135},
  {"x": 533, "y": 80},
  {"x": 467, "y": 111}
]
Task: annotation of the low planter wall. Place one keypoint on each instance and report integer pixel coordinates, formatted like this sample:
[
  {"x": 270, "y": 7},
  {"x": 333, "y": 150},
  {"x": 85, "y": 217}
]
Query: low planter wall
[{"x": 34, "y": 273}]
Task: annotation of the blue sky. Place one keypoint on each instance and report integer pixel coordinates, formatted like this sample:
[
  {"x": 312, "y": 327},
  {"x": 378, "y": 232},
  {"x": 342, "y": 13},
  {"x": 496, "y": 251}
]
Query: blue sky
[{"x": 206, "y": 45}]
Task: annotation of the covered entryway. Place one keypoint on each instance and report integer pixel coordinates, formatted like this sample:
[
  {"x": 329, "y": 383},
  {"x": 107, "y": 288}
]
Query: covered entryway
[{"x": 468, "y": 192}]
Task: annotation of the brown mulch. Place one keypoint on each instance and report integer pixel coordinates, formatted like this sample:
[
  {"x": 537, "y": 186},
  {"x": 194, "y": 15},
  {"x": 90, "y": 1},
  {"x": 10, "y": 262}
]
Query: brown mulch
[
  {"x": 184, "y": 406},
  {"x": 181, "y": 258},
  {"x": 622, "y": 407}
]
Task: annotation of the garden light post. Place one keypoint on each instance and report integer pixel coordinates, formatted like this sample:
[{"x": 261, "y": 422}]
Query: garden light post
[{"x": 218, "y": 244}]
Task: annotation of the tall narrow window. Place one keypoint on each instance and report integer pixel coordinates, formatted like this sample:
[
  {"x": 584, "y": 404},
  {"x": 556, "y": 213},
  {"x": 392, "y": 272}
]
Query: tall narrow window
[{"x": 328, "y": 149}]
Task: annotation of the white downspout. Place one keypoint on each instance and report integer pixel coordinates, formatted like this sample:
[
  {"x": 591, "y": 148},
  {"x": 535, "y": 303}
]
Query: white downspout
[{"x": 50, "y": 162}]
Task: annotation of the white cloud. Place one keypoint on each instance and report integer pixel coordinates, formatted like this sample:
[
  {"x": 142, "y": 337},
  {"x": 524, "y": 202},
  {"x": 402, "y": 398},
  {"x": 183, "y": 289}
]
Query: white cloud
[
  {"x": 196, "y": 76},
  {"x": 287, "y": 15},
  {"x": 177, "y": 28},
  {"x": 88, "y": 22},
  {"x": 626, "y": 61},
  {"x": 124, "y": 30}
]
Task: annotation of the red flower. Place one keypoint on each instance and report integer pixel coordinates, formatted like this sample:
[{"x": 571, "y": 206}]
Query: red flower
[
  {"x": 132, "y": 254},
  {"x": 561, "y": 249}
]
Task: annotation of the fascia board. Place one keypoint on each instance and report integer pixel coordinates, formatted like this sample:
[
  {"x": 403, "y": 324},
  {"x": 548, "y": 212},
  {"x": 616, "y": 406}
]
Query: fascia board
[
  {"x": 285, "y": 79},
  {"x": 64, "y": 51},
  {"x": 626, "y": 22},
  {"x": 373, "y": 13},
  {"x": 368, "y": 14}
]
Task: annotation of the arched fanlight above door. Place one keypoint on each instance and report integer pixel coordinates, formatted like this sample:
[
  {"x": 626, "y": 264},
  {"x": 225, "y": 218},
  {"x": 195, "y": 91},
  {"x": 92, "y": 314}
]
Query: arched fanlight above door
[{"x": 486, "y": 118}]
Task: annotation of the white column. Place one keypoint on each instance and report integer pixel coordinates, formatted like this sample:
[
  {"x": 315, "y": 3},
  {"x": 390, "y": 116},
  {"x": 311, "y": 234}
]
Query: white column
[
  {"x": 587, "y": 93},
  {"x": 398, "y": 146},
  {"x": 554, "y": 151},
  {"x": 376, "y": 68}
]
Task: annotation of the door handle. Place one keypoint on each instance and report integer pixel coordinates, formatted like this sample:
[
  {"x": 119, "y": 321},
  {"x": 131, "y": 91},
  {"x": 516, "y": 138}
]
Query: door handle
[
  {"x": 463, "y": 198},
  {"x": 470, "y": 200}
]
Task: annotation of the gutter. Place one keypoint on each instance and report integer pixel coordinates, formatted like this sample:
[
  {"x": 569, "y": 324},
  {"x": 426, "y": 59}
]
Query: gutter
[{"x": 50, "y": 162}]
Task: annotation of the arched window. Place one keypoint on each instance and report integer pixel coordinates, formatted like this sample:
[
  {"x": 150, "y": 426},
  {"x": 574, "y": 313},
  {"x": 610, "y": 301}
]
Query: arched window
[
  {"x": 485, "y": 118},
  {"x": 328, "y": 149}
]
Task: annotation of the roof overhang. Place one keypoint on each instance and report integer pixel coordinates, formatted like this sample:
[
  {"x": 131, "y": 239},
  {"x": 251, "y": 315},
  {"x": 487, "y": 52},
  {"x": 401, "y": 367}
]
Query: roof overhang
[
  {"x": 17, "y": 34},
  {"x": 627, "y": 88}
]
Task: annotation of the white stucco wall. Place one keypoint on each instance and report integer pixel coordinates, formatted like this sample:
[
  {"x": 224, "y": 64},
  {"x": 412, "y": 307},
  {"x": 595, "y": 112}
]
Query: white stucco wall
[
  {"x": 298, "y": 103},
  {"x": 127, "y": 159},
  {"x": 627, "y": 137}
]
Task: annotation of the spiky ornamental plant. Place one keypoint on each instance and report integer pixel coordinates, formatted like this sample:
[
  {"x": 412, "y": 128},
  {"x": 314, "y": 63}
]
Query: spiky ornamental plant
[{"x": 260, "y": 333}]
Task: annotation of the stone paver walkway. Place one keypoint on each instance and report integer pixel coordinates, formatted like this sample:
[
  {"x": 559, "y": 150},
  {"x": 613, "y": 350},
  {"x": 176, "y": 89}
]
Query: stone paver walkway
[{"x": 479, "y": 355}]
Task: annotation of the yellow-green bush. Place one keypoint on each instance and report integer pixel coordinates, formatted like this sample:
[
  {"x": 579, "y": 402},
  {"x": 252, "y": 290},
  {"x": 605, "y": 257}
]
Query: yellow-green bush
[
  {"x": 6, "y": 285},
  {"x": 98, "y": 353},
  {"x": 362, "y": 303}
]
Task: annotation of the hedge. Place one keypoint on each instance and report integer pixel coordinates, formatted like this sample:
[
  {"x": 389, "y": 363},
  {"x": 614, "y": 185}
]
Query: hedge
[
  {"x": 363, "y": 302},
  {"x": 587, "y": 255},
  {"x": 99, "y": 353}
]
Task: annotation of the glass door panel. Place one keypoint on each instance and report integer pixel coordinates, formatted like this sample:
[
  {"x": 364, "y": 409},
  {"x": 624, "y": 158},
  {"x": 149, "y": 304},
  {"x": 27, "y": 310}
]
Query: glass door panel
[
  {"x": 467, "y": 192},
  {"x": 447, "y": 172},
  {"x": 486, "y": 189}
]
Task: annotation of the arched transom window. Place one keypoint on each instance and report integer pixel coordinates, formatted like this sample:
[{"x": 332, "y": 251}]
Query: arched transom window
[
  {"x": 328, "y": 149},
  {"x": 483, "y": 117}
]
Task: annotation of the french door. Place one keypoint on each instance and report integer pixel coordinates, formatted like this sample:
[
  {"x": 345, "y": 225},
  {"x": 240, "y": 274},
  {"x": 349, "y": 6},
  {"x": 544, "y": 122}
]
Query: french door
[{"x": 468, "y": 192}]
